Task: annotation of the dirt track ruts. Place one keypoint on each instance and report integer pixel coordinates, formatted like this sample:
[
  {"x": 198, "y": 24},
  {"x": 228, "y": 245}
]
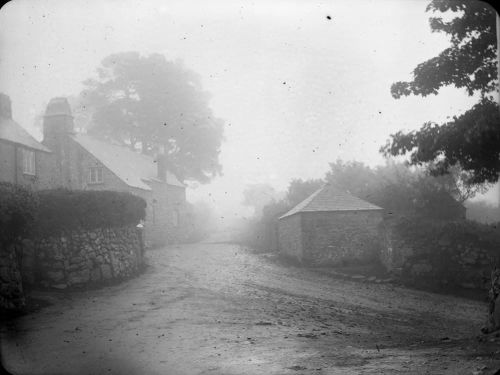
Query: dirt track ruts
[{"x": 220, "y": 309}]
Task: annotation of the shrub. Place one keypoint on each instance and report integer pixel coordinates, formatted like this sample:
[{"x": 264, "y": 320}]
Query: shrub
[
  {"x": 262, "y": 233},
  {"x": 64, "y": 210},
  {"x": 456, "y": 252},
  {"x": 17, "y": 212},
  {"x": 427, "y": 233}
]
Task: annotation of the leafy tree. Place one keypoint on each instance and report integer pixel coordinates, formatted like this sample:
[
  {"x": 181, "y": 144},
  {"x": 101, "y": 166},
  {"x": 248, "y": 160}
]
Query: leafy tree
[
  {"x": 150, "y": 103},
  {"x": 258, "y": 196},
  {"x": 354, "y": 177},
  {"x": 398, "y": 188},
  {"x": 298, "y": 190},
  {"x": 470, "y": 141}
]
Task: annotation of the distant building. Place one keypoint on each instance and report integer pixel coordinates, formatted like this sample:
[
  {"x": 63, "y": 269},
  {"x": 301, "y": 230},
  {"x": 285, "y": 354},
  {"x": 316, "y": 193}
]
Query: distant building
[
  {"x": 330, "y": 227},
  {"x": 23, "y": 160}
]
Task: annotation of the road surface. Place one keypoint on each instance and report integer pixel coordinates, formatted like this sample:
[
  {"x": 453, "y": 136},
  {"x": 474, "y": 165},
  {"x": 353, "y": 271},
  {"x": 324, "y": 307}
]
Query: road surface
[{"x": 221, "y": 309}]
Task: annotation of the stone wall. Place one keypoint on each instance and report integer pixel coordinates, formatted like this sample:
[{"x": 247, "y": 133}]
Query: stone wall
[
  {"x": 290, "y": 237},
  {"x": 82, "y": 258},
  {"x": 452, "y": 254},
  {"x": 331, "y": 237},
  {"x": 341, "y": 237},
  {"x": 11, "y": 288}
]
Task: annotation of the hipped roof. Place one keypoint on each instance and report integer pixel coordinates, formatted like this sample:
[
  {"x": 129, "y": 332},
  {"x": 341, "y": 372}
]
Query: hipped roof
[
  {"x": 331, "y": 198},
  {"x": 133, "y": 168},
  {"x": 12, "y": 132}
]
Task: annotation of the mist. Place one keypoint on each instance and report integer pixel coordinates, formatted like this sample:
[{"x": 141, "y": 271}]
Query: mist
[
  {"x": 295, "y": 89},
  {"x": 249, "y": 187}
]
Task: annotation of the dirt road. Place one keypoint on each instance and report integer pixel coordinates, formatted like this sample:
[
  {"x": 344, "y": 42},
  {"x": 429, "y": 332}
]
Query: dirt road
[{"x": 219, "y": 309}]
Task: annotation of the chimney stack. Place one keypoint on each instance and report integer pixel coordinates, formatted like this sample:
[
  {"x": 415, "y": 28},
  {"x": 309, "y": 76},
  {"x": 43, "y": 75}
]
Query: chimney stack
[
  {"x": 58, "y": 120},
  {"x": 5, "y": 106},
  {"x": 57, "y": 127}
]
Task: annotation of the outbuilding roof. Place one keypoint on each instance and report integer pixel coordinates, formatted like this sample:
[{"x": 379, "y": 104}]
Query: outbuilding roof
[
  {"x": 131, "y": 167},
  {"x": 12, "y": 132},
  {"x": 331, "y": 198}
]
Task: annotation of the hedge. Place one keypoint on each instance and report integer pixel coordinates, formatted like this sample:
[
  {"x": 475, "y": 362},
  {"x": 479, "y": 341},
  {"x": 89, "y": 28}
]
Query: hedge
[
  {"x": 424, "y": 232},
  {"x": 18, "y": 208},
  {"x": 25, "y": 213},
  {"x": 64, "y": 210}
]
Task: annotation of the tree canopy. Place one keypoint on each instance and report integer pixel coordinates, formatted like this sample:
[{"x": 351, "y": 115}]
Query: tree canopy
[
  {"x": 299, "y": 189},
  {"x": 259, "y": 195},
  {"x": 470, "y": 141},
  {"x": 153, "y": 104},
  {"x": 401, "y": 190}
]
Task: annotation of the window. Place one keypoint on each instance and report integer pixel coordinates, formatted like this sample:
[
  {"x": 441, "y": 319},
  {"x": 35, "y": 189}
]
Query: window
[
  {"x": 95, "y": 175},
  {"x": 28, "y": 162}
]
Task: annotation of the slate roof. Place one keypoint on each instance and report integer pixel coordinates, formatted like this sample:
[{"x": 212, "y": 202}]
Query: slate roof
[
  {"x": 11, "y": 131},
  {"x": 131, "y": 167},
  {"x": 330, "y": 198}
]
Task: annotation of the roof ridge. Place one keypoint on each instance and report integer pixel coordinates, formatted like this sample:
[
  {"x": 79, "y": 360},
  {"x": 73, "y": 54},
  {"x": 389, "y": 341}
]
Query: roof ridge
[
  {"x": 312, "y": 196},
  {"x": 12, "y": 131},
  {"x": 330, "y": 198},
  {"x": 133, "y": 168}
]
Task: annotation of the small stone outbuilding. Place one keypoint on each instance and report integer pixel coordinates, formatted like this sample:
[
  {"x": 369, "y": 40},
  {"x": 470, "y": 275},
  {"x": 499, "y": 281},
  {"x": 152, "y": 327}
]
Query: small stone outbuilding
[{"x": 331, "y": 226}]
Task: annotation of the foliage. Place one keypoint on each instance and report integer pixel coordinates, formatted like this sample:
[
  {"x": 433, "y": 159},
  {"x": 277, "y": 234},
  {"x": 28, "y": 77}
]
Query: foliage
[
  {"x": 470, "y": 141},
  {"x": 17, "y": 212},
  {"x": 444, "y": 246},
  {"x": 259, "y": 195},
  {"x": 64, "y": 210},
  {"x": 483, "y": 212},
  {"x": 298, "y": 190},
  {"x": 154, "y": 104},
  {"x": 261, "y": 232},
  {"x": 398, "y": 189}
]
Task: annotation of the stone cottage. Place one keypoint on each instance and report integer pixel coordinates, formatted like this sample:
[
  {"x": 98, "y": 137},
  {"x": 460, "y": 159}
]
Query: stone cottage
[
  {"x": 83, "y": 162},
  {"x": 78, "y": 161},
  {"x": 331, "y": 226},
  {"x": 23, "y": 160}
]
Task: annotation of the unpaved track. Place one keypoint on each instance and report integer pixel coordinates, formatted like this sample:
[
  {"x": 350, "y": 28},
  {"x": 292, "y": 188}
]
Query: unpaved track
[{"x": 219, "y": 309}]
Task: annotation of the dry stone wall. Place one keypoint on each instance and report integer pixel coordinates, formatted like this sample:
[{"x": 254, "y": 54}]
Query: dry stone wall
[
  {"x": 441, "y": 255},
  {"x": 11, "y": 288},
  {"x": 340, "y": 237},
  {"x": 82, "y": 257}
]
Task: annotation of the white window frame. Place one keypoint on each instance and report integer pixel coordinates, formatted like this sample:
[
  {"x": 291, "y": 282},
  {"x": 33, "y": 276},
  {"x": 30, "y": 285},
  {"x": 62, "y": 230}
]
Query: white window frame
[
  {"x": 29, "y": 161},
  {"x": 96, "y": 175}
]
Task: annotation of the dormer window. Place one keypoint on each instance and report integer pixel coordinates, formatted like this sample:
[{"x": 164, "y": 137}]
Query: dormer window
[
  {"x": 28, "y": 162},
  {"x": 95, "y": 175}
]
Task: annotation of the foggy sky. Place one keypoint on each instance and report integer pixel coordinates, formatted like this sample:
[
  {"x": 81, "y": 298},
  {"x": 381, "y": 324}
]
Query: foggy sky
[{"x": 296, "y": 90}]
